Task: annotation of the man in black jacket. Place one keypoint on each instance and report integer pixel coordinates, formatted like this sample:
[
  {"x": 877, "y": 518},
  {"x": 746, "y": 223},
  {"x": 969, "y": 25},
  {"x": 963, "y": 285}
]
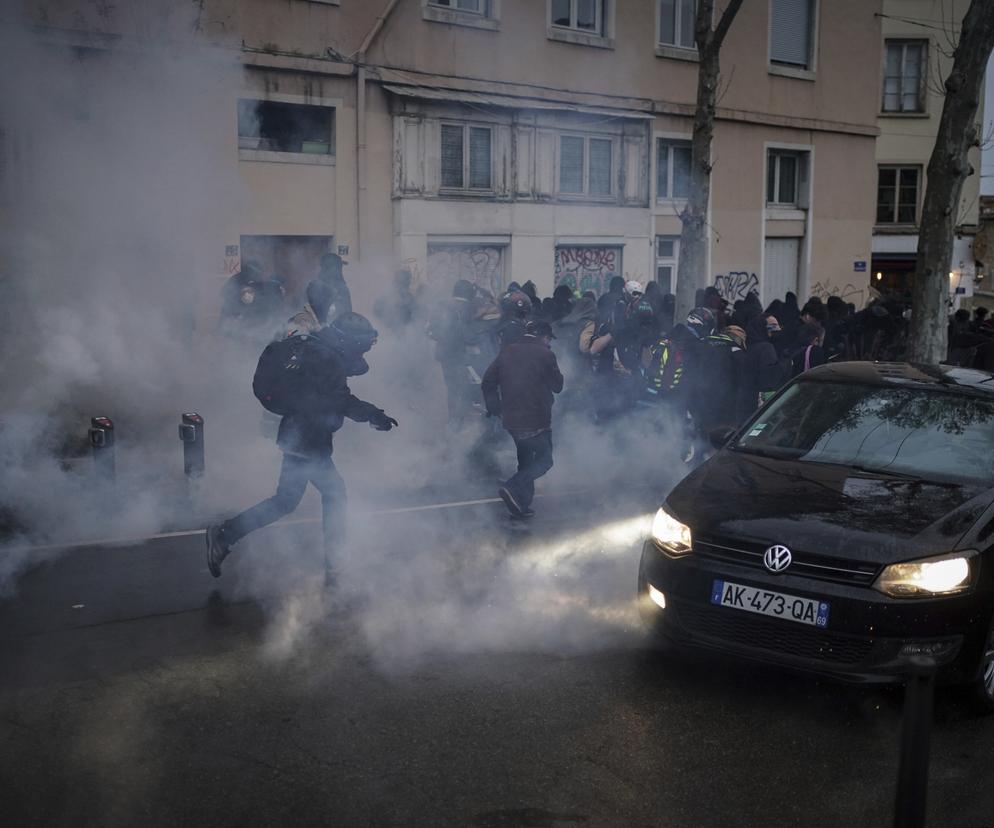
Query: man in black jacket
[
  {"x": 305, "y": 438},
  {"x": 519, "y": 386}
]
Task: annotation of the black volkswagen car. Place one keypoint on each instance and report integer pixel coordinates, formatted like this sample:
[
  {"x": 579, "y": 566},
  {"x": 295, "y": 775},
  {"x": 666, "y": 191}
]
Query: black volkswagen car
[{"x": 848, "y": 527}]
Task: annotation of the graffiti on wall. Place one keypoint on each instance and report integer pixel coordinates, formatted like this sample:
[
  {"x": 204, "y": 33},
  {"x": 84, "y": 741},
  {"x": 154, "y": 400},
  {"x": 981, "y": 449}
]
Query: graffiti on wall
[
  {"x": 587, "y": 268},
  {"x": 482, "y": 265},
  {"x": 848, "y": 293},
  {"x": 736, "y": 285}
]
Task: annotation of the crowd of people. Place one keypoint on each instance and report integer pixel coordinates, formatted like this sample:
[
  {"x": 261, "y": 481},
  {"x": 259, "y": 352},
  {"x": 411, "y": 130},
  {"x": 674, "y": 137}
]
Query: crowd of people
[
  {"x": 621, "y": 354},
  {"x": 624, "y": 352}
]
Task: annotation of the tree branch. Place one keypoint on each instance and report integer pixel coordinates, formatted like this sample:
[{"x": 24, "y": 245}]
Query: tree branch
[{"x": 725, "y": 23}]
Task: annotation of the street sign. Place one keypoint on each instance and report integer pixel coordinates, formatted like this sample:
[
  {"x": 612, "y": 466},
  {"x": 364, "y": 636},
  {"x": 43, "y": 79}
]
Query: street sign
[{"x": 859, "y": 267}]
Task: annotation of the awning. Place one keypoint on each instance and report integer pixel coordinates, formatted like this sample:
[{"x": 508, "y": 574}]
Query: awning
[{"x": 433, "y": 93}]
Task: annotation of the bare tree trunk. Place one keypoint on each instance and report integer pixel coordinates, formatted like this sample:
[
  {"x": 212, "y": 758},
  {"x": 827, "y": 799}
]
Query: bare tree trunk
[
  {"x": 694, "y": 238},
  {"x": 948, "y": 168}
]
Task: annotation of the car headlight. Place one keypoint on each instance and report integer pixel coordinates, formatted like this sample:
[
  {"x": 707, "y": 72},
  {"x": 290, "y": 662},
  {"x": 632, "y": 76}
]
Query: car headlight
[
  {"x": 670, "y": 535},
  {"x": 942, "y": 575}
]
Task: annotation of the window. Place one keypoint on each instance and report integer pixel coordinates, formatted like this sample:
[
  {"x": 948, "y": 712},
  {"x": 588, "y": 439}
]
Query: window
[
  {"x": 286, "y": 127},
  {"x": 582, "y": 15},
  {"x": 676, "y": 23},
  {"x": 791, "y": 32},
  {"x": 672, "y": 169},
  {"x": 477, "y": 14},
  {"x": 897, "y": 195},
  {"x": 463, "y": 170},
  {"x": 786, "y": 178},
  {"x": 585, "y": 165},
  {"x": 475, "y": 6},
  {"x": 667, "y": 257},
  {"x": 904, "y": 74}
]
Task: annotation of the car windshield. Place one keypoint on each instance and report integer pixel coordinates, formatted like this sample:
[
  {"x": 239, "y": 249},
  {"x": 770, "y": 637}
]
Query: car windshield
[{"x": 934, "y": 435}]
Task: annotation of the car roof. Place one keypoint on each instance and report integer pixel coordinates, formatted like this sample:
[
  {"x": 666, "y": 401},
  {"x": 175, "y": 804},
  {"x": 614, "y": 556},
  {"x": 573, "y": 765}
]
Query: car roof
[{"x": 889, "y": 374}]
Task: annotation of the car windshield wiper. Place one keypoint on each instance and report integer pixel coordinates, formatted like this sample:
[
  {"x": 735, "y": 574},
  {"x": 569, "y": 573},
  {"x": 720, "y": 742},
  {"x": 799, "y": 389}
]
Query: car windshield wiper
[
  {"x": 760, "y": 452},
  {"x": 888, "y": 473}
]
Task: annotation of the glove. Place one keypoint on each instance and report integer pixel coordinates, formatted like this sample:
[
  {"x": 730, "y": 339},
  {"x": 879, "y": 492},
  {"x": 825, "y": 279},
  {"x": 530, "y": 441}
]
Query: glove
[{"x": 381, "y": 422}]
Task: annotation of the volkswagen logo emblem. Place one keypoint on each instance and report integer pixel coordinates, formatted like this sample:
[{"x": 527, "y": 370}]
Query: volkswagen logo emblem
[{"x": 777, "y": 558}]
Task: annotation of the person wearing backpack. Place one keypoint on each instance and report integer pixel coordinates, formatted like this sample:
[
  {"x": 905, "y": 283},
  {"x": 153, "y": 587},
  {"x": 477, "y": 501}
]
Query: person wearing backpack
[{"x": 304, "y": 378}]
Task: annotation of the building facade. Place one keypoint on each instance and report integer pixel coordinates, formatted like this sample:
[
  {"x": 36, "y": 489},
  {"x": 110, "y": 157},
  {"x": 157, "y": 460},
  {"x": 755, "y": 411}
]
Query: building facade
[
  {"x": 549, "y": 140},
  {"x": 918, "y": 39}
]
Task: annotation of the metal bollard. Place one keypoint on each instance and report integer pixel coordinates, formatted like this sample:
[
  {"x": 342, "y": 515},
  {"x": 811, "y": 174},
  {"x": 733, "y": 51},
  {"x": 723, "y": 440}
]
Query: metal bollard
[
  {"x": 102, "y": 444},
  {"x": 191, "y": 432},
  {"x": 916, "y": 733}
]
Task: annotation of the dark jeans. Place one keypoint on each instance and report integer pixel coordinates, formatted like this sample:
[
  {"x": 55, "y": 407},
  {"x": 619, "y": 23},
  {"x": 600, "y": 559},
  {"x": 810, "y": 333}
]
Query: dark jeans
[
  {"x": 534, "y": 460},
  {"x": 296, "y": 473}
]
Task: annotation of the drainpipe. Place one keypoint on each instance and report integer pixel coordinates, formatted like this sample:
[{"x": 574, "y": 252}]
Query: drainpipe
[{"x": 360, "y": 127}]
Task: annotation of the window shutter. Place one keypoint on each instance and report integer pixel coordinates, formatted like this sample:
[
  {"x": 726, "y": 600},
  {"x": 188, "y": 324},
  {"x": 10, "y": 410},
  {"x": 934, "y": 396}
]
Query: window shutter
[
  {"x": 452, "y": 138},
  {"x": 479, "y": 158},
  {"x": 599, "y": 176},
  {"x": 790, "y": 32},
  {"x": 570, "y": 164}
]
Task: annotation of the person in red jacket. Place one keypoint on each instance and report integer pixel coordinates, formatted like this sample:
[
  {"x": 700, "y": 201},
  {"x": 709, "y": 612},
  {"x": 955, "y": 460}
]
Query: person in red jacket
[{"x": 519, "y": 387}]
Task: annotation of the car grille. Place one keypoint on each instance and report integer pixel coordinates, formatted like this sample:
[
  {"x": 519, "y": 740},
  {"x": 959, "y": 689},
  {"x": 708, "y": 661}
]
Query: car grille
[
  {"x": 819, "y": 567},
  {"x": 779, "y": 636}
]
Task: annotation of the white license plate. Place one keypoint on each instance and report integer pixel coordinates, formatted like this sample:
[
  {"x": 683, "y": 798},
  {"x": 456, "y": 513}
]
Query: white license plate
[{"x": 765, "y": 602}]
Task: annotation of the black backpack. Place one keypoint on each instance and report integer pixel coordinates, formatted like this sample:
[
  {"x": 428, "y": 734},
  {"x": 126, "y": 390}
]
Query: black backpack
[{"x": 283, "y": 376}]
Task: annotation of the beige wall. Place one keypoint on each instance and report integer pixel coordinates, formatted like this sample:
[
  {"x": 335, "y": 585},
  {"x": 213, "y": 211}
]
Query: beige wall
[
  {"x": 287, "y": 42},
  {"x": 909, "y": 139}
]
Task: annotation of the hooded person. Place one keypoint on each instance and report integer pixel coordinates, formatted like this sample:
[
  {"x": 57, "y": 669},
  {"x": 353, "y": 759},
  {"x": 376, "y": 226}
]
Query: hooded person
[
  {"x": 520, "y": 387},
  {"x": 515, "y": 311},
  {"x": 807, "y": 351},
  {"x": 759, "y": 368},
  {"x": 333, "y": 273},
  {"x": 305, "y": 437},
  {"x": 314, "y": 316}
]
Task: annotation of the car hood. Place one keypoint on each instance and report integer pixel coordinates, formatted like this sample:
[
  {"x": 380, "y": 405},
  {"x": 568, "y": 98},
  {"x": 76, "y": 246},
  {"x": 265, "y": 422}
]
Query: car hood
[{"x": 825, "y": 509}]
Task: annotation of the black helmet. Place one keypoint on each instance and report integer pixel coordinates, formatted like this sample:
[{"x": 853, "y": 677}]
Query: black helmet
[
  {"x": 515, "y": 304},
  {"x": 539, "y": 327},
  {"x": 350, "y": 333},
  {"x": 701, "y": 322}
]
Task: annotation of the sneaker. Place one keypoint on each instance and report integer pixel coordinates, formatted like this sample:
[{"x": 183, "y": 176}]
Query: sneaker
[
  {"x": 217, "y": 549},
  {"x": 525, "y": 514},
  {"x": 512, "y": 505}
]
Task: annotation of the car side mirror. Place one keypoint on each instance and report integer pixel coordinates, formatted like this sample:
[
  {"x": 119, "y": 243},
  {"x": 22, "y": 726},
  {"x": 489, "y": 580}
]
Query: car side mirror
[{"x": 720, "y": 436}]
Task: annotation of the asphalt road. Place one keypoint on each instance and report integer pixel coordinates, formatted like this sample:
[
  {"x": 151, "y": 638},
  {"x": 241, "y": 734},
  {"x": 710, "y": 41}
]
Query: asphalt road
[{"x": 476, "y": 672}]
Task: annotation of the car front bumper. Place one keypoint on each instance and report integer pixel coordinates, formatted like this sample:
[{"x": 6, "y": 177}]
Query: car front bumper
[{"x": 869, "y": 637}]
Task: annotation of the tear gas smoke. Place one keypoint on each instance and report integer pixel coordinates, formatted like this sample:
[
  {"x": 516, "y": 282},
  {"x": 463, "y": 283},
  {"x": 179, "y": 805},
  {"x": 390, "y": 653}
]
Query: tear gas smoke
[{"x": 112, "y": 216}]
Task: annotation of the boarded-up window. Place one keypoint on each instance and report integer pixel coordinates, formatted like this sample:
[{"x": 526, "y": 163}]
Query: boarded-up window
[{"x": 587, "y": 267}]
